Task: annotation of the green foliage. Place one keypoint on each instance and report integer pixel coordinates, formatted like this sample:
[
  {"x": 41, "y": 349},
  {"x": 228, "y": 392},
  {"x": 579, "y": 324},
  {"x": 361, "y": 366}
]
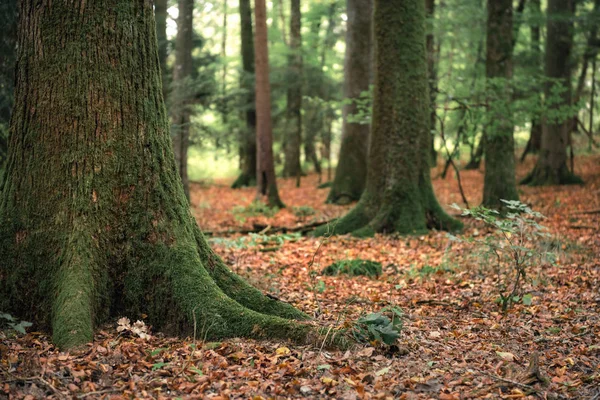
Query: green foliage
[
  {"x": 364, "y": 105},
  {"x": 13, "y": 323},
  {"x": 513, "y": 247},
  {"x": 255, "y": 239},
  {"x": 255, "y": 209},
  {"x": 378, "y": 327},
  {"x": 356, "y": 267},
  {"x": 303, "y": 211}
]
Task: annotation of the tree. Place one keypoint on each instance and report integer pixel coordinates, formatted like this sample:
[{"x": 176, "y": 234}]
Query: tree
[
  {"x": 94, "y": 223},
  {"x": 8, "y": 47},
  {"x": 499, "y": 145},
  {"x": 432, "y": 55},
  {"x": 181, "y": 93},
  {"x": 160, "y": 15},
  {"x": 248, "y": 175},
  {"x": 265, "y": 168},
  {"x": 292, "y": 166},
  {"x": 351, "y": 171},
  {"x": 398, "y": 195},
  {"x": 551, "y": 167}
]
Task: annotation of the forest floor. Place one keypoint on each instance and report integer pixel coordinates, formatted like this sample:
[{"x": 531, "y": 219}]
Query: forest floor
[{"x": 456, "y": 342}]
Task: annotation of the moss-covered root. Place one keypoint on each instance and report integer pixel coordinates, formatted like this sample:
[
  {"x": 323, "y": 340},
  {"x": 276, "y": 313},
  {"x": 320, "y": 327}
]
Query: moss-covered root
[
  {"x": 75, "y": 286},
  {"x": 355, "y": 219},
  {"x": 549, "y": 176},
  {"x": 240, "y": 290},
  {"x": 243, "y": 180}
]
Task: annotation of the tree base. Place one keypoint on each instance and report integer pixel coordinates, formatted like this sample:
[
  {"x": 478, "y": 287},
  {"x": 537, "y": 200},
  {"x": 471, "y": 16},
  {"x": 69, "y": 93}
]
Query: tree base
[
  {"x": 244, "y": 180},
  {"x": 546, "y": 176}
]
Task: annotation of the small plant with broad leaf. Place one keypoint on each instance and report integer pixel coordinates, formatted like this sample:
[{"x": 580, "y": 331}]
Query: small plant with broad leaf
[
  {"x": 13, "y": 323},
  {"x": 513, "y": 247},
  {"x": 382, "y": 327}
]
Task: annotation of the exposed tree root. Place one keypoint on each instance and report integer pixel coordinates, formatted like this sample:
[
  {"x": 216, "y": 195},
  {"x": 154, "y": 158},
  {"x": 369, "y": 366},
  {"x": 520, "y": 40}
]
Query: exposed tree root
[{"x": 542, "y": 176}]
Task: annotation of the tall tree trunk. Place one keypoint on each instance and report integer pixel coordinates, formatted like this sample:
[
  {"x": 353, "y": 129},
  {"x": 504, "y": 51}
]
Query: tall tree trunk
[
  {"x": 292, "y": 166},
  {"x": 8, "y": 53},
  {"x": 160, "y": 14},
  {"x": 180, "y": 99},
  {"x": 432, "y": 56},
  {"x": 551, "y": 167},
  {"x": 398, "y": 195},
  {"x": 535, "y": 137},
  {"x": 351, "y": 171},
  {"x": 248, "y": 175},
  {"x": 499, "y": 180},
  {"x": 265, "y": 168},
  {"x": 94, "y": 223}
]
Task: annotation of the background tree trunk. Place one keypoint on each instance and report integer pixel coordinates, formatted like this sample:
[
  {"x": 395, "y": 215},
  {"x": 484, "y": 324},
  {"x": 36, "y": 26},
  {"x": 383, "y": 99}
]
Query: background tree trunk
[
  {"x": 432, "y": 56},
  {"x": 398, "y": 195},
  {"x": 351, "y": 170},
  {"x": 265, "y": 168},
  {"x": 180, "y": 99},
  {"x": 8, "y": 52},
  {"x": 292, "y": 166},
  {"x": 551, "y": 167},
  {"x": 499, "y": 145},
  {"x": 248, "y": 175},
  {"x": 94, "y": 223},
  {"x": 160, "y": 15}
]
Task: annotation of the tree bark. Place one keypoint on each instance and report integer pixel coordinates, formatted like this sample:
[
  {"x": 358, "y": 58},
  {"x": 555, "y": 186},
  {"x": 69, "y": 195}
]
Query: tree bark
[
  {"x": 160, "y": 15},
  {"x": 551, "y": 167},
  {"x": 94, "y": 223},
  {"x": 398, "y": 196},
  {"x": 8, "y": 53},
  {"x": 499, "y": 180},
  {"x": 265, "y": 168},
  {"x": 351, "y": 170},
  {"x": 432, "y": 56},
  {"x": 248, "y": 175},
  {"x": 181, "y": 97},
  {"x": 292, "y": 165}
]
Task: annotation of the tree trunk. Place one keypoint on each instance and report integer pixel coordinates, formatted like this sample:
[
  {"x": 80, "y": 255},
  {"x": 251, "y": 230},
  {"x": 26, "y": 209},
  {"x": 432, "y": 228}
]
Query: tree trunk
[
  {"x": 292, "y": 166},
  {"x": 551, "y": 167},
  {"x": 351, "y": 171},
  {"x": 535, "y": 137},
  {"x": 180, "y": 100},
  {"x": 432, "y": 56},
  {"x": 160, "y": 14},
  {"x": 398, "y": 196},
  {"x": 265, "y": 168},
  {"x": 248, "y": 175},
  {"x": 8, "y": 53},
  {"x": 499, "y": 181},
  {"x": 94, "y": 223}
]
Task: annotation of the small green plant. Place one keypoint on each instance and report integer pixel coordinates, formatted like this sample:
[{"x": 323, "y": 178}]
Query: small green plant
[
  {"x": 379, "y": 327},
  {"x": 13, "y": 323},
  {"x": 303, "y": 211},
  {"x": 255, "y": 209},
  {"x": 514, "y": 246},
  {"x": 356, "y": 267}
]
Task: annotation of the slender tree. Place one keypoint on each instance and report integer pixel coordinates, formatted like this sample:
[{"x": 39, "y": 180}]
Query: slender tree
[
  {"x": 248, "y": 174},
  {"x": 265, "y": 168},
  {"x": 94, "y": 223},
  {"x": 160, "y": 15},
  {"x": 551, "y": 167},
  {"x": 351, "y": 171},
  {"x": 398, "y": 195},
  {"x": 432, "y": 55},
  {"x": 292, "y": 165},
  {"x": 8, "y": 53},
  {"x": 499, "y": 145},
  {"x": 181, "y": 94}
]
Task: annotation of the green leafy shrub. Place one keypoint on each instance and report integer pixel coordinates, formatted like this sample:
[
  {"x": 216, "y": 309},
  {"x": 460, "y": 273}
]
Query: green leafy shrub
[
  {"x": 255, "y": 209},
  {"x": 357, "y": 267},
  {"x": 13, "y": 323},
  {"x": 513, "y": 247},
  {"x": 303, "y": 211},
  {"x": 379, "y": 327}
]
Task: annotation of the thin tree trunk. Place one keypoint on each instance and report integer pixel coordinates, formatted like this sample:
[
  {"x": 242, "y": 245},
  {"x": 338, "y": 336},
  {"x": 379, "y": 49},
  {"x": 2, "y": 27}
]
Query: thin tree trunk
[
  {"x": 8, "y": 52},
  {"x": 432, "y": 56},
  {"x": 94, "y": 223},
  {"x": 398, "y": 196},
  {"x": 551, "y": 167},
  {"x": 292, "y": 166},
  {"x": 265, "y": 168},
  {"x": 180, "y": 99},
  {"x": 351, "y": 171},
  {"x": 248, "y": 175},
  {"x": 160, "y": 14}
]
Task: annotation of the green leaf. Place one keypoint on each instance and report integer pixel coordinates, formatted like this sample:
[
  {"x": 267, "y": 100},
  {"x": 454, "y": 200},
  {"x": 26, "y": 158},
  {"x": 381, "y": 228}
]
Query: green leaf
[
  {"x": 527, "y": 299},
  {"x": 158, "y": 365},
  {"x": 157, "y": 351}
]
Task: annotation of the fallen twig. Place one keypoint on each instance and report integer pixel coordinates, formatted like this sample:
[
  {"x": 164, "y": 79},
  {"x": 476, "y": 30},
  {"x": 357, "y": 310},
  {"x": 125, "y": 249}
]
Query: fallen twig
[{"x": 263, "y": 229}]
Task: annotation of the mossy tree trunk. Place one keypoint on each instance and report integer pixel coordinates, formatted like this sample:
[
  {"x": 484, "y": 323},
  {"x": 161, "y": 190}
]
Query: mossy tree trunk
[
  {"x": 265, "y": 168},
  {"x": 292, "y": 166},
  {"x": 351, "y": 171},
  {"x": 551, "y": 167},
  {"x": 160, "y": 15},
  {"x": 398, "y": 196},
  {"x": 94, "y": 223},
  {"x": 8, "y": 53},
  {"x": 180, "y": 99},
  {"x": 499, "y": 146},
  {"x": 248, "y": 175}
]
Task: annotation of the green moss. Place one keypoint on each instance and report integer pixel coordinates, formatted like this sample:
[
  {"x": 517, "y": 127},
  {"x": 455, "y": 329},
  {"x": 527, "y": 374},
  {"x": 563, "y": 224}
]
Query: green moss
[
  {"x": 356, "y": 267},
  {"x": 243, "y": 180}
]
